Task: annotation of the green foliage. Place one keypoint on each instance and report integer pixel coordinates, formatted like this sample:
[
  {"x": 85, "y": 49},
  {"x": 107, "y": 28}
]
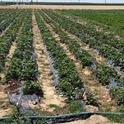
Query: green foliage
[
  {"x": 24, "y": 65},
  {"x": 76, "y": 106},
  {"x": 105, "y": 74},
  {"x": 32, "y": 87},
  {"x": 118, "y": 94},
  {"x": 7, "y": 39},
  {"x": 113, "y": 19},
  {"x": 107, "y": 45}
]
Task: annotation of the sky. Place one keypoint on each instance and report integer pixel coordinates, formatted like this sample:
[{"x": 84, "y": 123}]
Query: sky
[{"x": 91, "y": 1}]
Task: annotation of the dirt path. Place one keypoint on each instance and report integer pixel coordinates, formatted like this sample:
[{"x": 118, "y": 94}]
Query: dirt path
[
  {"x": 45, "y": 76},
  {"x": 4, "y": 102},
  {"x": 94, "y": 7},
  {"x": 102, "y": 93}
]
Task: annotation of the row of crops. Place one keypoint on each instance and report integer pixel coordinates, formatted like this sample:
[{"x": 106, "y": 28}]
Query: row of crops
[
  {"x": 103, "y": 73},
  {"x": 102, "y": 17},
  {"x": 7, "y": 39},
  {"x": 23, "y": 69},
  {"x": 7, "y": 18}
]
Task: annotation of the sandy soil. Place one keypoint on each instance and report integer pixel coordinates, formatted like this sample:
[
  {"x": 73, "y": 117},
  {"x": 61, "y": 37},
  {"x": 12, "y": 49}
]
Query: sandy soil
[
  {"x": 64, "y": 7},
  {"x": 45, "y": 76},
  {"x": 102, "y": 93},
  {"x": 4, "y": 108}
]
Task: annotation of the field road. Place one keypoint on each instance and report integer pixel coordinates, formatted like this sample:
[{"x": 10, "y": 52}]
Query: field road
[{"x": 95, "y": 7}]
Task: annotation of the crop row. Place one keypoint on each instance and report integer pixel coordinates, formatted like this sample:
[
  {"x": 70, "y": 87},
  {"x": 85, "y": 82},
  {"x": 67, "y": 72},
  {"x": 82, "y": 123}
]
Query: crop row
[
  {"x": 7, "y": 19},
  {"x": 23, "y": 66},
  {"x": 107, "y": 51},
  {"x": 113, "y": 19},
  {"x": 104, "y": 74},
  {"x": 4, "y": 14},
  {"x": 7, "y": 39},
  {"x": 102, "y": 36},
  {"x": 69, "y": 79}
]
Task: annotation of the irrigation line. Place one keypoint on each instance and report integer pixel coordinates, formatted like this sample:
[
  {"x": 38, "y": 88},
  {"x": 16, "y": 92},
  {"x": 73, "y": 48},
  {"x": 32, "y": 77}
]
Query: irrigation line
[{"x": 61, "y": 117}]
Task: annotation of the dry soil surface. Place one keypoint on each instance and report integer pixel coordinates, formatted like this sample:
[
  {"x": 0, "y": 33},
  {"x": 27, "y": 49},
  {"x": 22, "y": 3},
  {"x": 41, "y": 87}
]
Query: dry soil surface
[{"x": 95, "y": 7}]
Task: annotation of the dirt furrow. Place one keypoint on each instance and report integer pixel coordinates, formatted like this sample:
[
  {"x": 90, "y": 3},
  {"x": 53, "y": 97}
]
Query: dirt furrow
[
  {"x": 45, "y": 74},
  {"x": 102, "y": 93}
]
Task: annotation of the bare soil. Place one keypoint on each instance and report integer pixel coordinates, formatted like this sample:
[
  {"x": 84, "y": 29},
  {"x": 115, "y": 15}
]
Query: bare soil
[
  {"x": 45, "y": 76},
  {"x": 5, "y": 109},
  {"x": 95, "y": 7}
]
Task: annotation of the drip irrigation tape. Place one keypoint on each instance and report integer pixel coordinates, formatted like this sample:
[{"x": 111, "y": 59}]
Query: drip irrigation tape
[{"x": 63, "y": 117}]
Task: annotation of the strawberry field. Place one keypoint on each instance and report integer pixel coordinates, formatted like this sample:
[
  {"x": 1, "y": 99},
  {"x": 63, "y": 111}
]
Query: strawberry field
[{"x": 56, "y": 62}]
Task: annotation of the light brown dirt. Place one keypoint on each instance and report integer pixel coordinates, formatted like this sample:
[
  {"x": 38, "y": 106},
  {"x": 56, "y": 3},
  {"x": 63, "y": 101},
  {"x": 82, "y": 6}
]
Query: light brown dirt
[
  {"x": 4, "y": 108},
  {"x": 98, "y": 7},
  {"x": 5, "y": 111},
  {"x": 102, "y": 93},
  {"x": 3, "y": 95},
  {"x": 45, "y": 76}
]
